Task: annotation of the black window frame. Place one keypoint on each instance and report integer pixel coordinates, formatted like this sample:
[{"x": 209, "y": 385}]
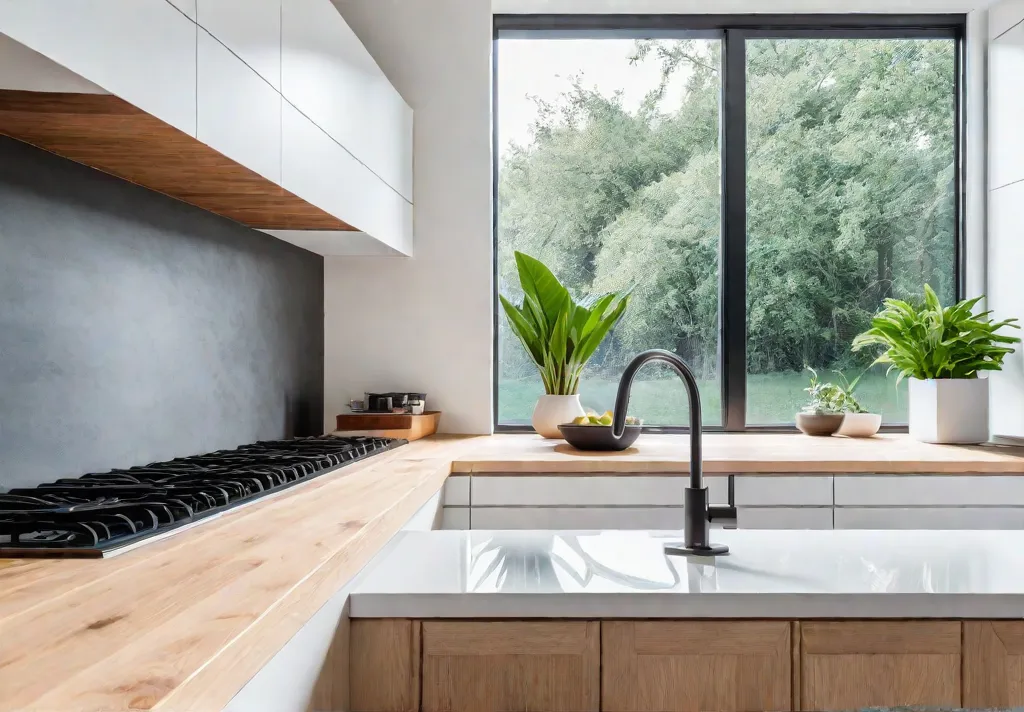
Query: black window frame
[{"x": 734, "y": 30}]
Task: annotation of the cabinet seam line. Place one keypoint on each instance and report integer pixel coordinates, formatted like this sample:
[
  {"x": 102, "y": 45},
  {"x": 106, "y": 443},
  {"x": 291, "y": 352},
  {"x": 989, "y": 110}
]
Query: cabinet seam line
[{"x": 284, "y": 99}]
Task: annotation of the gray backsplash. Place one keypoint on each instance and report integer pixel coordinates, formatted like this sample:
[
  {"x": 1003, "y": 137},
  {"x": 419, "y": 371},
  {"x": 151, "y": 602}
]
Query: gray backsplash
[{"x": 136, "y": 328}]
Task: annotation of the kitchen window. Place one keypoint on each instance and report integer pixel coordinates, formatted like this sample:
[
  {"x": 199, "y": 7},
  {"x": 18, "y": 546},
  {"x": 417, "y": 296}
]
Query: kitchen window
[{"x": 763, "y": 182}]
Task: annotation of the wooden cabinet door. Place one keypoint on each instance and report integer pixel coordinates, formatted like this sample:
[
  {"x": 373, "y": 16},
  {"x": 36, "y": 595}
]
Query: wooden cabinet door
[
  {"x": 384, "y": 666},
  {"x": 993, "y": 664},
  {"x": 848, "y": 665},
  {"x": 542, "y": 666},
  {"x": 706, "y": 666}
]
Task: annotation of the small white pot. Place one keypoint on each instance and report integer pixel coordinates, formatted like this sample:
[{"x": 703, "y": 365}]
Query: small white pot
[
  {"x": 860, "y": 425},
  {"x": 949, "y": 410},
  {"x": 552, "y": 411}
]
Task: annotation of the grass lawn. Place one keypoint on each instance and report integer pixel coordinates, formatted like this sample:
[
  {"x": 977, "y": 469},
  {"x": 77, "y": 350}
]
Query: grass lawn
[{"x": 772, "y": 398}]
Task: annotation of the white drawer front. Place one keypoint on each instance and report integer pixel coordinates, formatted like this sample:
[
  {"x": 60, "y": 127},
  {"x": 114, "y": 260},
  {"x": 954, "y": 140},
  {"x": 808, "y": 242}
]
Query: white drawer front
[
  {"x": 784, "y": 517},
  {"x": 550, "y": 490},
  {"x": 455, "y": 518},
  {"x": 929, "y": 518},
  {"x": 577, "y": 518},
  {"x": 929, "y": 490},
  {"x": 456, "y": 491},
  {"x": 784, "y": 490}
]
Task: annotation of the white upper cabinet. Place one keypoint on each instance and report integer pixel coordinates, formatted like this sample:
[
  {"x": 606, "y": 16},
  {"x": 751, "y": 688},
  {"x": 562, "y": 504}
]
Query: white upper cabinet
[
  {"x": 317, "y": 169},
  {"x": 186, "y": 6},
  {"x": 144, "y": 51},
  {"x": 239, "y": 113},
  {"x": 1006, "y": 108},
  {"x": 249, "y": 28},
  {"x": 331, "y": 78}
]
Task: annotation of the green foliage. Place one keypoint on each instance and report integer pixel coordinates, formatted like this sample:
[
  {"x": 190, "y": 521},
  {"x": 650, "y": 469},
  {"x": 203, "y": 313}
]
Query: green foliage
[
  {"x": 850, "y": 198},
  {"x": 559, "y": 333},
  {"x": 829, "y": 398},
  {"x": 926, "y": 341}
]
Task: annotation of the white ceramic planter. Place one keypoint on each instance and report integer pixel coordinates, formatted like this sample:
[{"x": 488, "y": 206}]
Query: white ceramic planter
[
  {"x": 860, "y": 425},
  {"x": 949, "y": 410},
  {"x": 552, "y": 411}
]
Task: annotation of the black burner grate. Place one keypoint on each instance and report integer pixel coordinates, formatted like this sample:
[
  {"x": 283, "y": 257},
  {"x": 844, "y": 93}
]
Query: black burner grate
[{"x": 96, "y": 513}]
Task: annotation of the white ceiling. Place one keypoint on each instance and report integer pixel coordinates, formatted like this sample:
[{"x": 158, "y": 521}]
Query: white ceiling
[{"x": 726, "y": 7}]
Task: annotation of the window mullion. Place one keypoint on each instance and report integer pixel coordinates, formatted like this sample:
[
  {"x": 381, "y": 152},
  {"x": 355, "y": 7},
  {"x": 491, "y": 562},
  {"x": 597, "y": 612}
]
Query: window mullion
[{"x": 733, "y": 284}]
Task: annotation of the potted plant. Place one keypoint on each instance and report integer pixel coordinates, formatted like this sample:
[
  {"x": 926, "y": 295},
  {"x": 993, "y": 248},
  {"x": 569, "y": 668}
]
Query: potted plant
[
  {"x": 943, "y": 352},
  {"x": 857, "y": 421},
  {"x": 560, "y": 334},
  {"x": 823, "y": 413}
]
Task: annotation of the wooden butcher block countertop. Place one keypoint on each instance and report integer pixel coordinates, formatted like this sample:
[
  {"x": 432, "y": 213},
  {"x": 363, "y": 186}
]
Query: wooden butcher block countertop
[
  {"x": 181, "y": 624},
  {"x": 735, "y": 453}
]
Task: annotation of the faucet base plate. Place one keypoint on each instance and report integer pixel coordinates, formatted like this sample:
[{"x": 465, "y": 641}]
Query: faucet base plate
[{"x": 680, "y": 549}]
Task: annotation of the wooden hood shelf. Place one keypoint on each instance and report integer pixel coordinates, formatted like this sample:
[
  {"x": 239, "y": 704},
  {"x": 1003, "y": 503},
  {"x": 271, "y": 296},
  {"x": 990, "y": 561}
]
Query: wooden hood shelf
[{"x": 107, "y": 133}]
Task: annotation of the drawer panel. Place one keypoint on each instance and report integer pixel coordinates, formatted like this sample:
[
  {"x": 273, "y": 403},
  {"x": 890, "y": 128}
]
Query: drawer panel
[
  {"x": 783, "y": 517},
  {"x": 552, "y": 490},
  {"x": 663, "y": 518},
  {"x": 929, "y": 490},
  {"x": 784, "y": 490},
  {"x": 455, "y": 518},
  {"x": 456, "y": 491},
  {"x": 929, "y": 518}
]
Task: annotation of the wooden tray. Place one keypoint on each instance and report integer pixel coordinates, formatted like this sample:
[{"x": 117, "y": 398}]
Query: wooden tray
[{"x": 390, "y": 425}]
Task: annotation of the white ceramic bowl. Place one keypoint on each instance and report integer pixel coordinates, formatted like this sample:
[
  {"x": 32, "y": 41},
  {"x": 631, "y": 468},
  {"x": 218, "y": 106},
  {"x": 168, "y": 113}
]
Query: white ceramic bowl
[{"x": 860, "y": 425}]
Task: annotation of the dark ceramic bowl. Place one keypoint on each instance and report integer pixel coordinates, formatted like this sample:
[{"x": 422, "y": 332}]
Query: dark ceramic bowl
[
  {"x": 598, "y": 437},
  {"x": 818, "y": 423}
]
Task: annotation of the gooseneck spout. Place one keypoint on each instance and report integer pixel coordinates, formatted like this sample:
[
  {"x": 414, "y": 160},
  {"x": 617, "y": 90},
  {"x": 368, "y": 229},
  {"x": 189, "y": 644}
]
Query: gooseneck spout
[{"x": 697, "y": 525}]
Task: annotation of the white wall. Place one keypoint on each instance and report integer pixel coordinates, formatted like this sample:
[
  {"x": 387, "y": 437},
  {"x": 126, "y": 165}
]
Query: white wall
[
  {"x": 1006, "y": 204},
  {"x": 425, "y": 323}
]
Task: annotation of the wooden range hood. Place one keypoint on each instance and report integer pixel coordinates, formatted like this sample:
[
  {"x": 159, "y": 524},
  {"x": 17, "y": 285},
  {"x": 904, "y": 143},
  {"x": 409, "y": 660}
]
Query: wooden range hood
[{"x": 109, "y": 134}]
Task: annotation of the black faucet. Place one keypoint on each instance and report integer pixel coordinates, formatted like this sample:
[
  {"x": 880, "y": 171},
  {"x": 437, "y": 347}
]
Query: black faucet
[{"x": 697, "y": 525}]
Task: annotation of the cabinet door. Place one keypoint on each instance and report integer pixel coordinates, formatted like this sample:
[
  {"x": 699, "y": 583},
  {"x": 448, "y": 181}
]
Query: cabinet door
[
  {"x": 928, "y": 491},
  {"x": 239, "y": 113},
  {"x": 848, "y": 665},
  {"x": 143, "y": 51},
  {"x": 1005, "y": 293},
  {"x": 249, "y": 28},
  {"x": 384, "y": 665},
  {"x": 1005, "y": 106},
  {"x": 706, "y": 666},
  {"x": 929, "y": 518},
  {"x": 319, "y": 170},
  {"x": 331, "y": 78},
  {"x": 635, "y": 518},
  {"x": 993, "y": 664},
  {"x": 783, "y": 490},
  {"x": 784, "y": 517},
  {"x": 542, "y": 666}
]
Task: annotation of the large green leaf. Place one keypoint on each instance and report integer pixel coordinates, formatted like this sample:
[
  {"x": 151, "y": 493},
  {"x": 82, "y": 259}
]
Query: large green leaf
[
  {"x": 523, "y": 330},
  {"x": 928, "y": 341},
  {"x": 538, "y": 282}
]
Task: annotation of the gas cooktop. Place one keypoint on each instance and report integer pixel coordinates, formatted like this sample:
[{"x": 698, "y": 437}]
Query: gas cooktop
[{"x": 105, "y": 513}]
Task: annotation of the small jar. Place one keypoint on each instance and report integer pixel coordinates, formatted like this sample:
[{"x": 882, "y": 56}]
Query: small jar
[{"x": 417, "y": 403}]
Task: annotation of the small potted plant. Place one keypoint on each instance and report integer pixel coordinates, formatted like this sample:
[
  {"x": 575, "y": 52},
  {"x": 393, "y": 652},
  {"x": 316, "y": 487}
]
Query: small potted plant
[
  {"x": 560, "y": 334},
  {"x": 823, "y": 413},
  {"x": 857, "y": 421},
  {"x": 943, "y": 351}
]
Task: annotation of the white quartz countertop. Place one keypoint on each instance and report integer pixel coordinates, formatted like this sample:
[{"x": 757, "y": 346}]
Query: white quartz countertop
[{"x": 767, "y": 574}]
